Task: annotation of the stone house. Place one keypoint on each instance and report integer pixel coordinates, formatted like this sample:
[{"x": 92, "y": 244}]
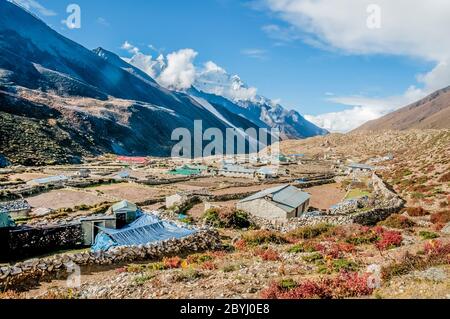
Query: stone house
[
  {"x": 359, "y": 168},
  {"x": 278, "y": 203},
  {"x": 266, "y": 173},
  {"x": 83, "y": 173},
  {"x": 237, "y": 171},
  {"x": 126, "y": 211}
]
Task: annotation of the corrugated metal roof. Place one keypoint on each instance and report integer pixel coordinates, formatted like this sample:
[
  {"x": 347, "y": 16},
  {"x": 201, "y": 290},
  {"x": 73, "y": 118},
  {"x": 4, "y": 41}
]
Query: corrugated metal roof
[
  {"x": 237, "y": 169},
  {"x": 51, "y": 179},
  {"x": 361, "y": 166},
  {"x": 286, "y": 197},
  {"x": 124, "y": 205},
  {"x": 267, "y": 171}
]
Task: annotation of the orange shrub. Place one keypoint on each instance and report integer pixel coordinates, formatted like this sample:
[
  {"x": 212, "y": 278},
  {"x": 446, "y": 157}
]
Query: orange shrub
[
  {"x": 442, "y": 217},
  {"x": 416, "y": 211},
  {"x": 172, "y": 263},
  {"x": 268, "y": 254}
]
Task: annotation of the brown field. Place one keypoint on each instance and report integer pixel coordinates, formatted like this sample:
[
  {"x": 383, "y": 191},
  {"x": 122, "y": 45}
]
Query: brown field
[
  {"x": 64, "y": 199},
  {"x": 325, "y": 196},
  {"x": 27, "y": 176},
  {"x": 131, "y": 192}
]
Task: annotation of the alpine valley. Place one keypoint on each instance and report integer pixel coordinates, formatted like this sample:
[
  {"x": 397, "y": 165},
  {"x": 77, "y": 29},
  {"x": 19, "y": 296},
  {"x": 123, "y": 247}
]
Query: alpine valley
[{"x": 60, "y": 101}]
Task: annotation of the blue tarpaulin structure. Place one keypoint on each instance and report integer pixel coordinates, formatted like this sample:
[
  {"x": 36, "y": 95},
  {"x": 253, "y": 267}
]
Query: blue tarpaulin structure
[{"x": 146, "y": 229}]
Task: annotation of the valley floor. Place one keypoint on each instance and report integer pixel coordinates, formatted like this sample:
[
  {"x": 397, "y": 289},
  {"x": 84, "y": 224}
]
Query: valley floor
[{"x": 406, "y": 256}]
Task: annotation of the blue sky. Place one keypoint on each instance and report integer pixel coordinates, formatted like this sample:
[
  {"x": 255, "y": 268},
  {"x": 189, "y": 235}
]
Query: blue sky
[{"x": 264, "y": 43}]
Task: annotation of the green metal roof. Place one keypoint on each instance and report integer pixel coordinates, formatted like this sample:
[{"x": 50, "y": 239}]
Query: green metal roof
[{"x": 184, "y": 171}]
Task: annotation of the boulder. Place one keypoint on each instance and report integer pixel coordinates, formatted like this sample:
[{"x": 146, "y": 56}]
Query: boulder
[{"x": 446, "y": 229}]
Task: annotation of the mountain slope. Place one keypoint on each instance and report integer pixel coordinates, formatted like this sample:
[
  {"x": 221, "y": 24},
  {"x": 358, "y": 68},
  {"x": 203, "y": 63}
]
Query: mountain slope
[
  {"x": 70, "y": 102},
  {"x": 432, "y": 112},
  {"x": 264, "y": 113}
]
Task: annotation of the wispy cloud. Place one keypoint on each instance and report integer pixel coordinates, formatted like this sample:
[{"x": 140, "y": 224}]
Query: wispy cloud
[
  {"x": 102, "y": 21},
  {"x": 255, "y": 53},
  {"x": 414, "y": 28},
  {"x": 281, "y": 35},
  {"x": 34, "y": 5}
]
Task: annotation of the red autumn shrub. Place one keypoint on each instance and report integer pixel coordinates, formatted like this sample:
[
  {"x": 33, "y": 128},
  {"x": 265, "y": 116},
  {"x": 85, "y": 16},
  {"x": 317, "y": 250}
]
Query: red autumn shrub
[
  {"x": 172, "y": 263},
  {"x": 121, "y": 270},
  {"x": 389, "y": 239},
  {"x": 268, "y": 254},
  {"x": 345, "y": 285},
  {"x": 442, "y": 217},
  {"x": 445, "y": 178},
  {"x": 219, "y": 254},
  {"x": 438, "y": 226},
  {"x": 240, "y": 244},
  {"x": 436, "y": 247},
  {"x": 416, "y": 211},
  {"x": 335, "y": 250},
  {"x": 209, "y": 265}
]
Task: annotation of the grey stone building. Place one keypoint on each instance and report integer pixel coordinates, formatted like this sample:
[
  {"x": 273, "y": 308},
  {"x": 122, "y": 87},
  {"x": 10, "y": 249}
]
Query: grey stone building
[{"x": 278, "y": 203}]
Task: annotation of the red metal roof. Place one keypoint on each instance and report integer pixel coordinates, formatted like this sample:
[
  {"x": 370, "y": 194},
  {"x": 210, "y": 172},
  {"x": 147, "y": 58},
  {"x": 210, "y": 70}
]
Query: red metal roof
[{"x": 138, "y": 160}]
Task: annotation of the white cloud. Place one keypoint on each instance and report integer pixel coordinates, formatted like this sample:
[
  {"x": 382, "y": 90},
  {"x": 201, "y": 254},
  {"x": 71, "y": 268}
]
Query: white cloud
[
  {"x": 180, "y": 71},
  {"x": 363, "y": 110},
  {"x": 177, "y": 71},
  {"x": 102, "y": 21},
  {"x": 412, "y": 28},
  {"x": 255, "y": 53},
  {"x": 147, "y": 64},
  {"x": 215, "y": 80},
  {"x": 409, "y": 27},
  {"x": 35, "y": 6},
  {"x": 130, "y": 48},
  {"x": 281, "y": 34}
]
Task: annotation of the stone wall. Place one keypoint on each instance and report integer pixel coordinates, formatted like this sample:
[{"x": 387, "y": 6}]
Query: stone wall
[
  {"x": 349, "y": 206},
  {"x": 314, "y": 183},
  {"x": 24, "y": 242},
  {"x": 26, "y": 275}
]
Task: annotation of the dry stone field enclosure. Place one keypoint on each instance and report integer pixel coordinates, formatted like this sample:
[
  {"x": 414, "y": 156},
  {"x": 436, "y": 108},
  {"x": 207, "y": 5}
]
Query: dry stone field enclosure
[{"x": 389, "y": 223}]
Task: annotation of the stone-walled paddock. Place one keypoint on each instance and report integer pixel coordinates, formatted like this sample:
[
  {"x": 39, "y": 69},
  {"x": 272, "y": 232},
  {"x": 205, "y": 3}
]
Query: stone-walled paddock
[
  {"x": 386, "y": 204},
  {"x": 25, "y": 275}
]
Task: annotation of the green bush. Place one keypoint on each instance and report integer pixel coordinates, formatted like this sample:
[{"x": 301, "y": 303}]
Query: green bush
[
  {"x": 310, "y": 232},
  {"x": 262, "y": 237},
  {"x": 313, "y": 258},
  {"x": 142, "y": 279},
  {"x": 288, "y": 284},
  {"x": 227, "y": 218},
  {"x": 428, "y": 235},
  {"x": 212, "y": 217},
  {"x": 398, "y": 222},
  {"x": 302, "y": 248},
  {"x": 337, "y": 265}
]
